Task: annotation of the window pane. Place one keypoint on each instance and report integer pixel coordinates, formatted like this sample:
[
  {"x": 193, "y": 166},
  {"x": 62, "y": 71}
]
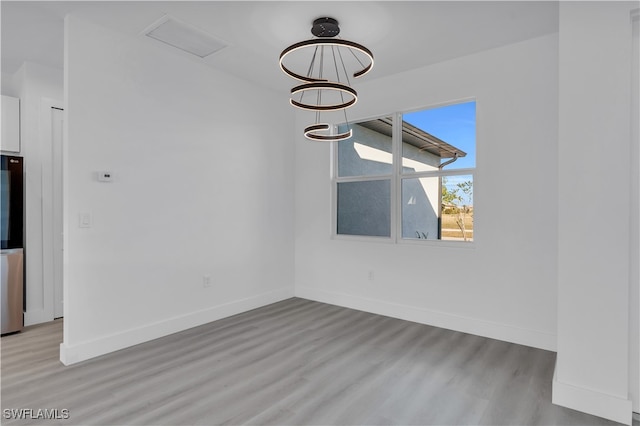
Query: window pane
[
  {"x": 447, "y": 197},
  {"x": 420, "y": 208},
  {"x": 457, "y": 207},
  {"x": 364, "y": 208},
  {"x": 368, "y": 151},
  {"x": 435, "y": 136}
]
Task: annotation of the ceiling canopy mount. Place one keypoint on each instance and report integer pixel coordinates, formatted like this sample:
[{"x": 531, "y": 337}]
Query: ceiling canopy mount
[{"x": 325, "y": 27}]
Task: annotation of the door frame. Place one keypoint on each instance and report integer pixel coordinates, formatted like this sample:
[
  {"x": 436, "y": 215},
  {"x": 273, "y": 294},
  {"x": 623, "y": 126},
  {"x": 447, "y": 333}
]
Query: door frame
[{"x": 49, "y": 194}]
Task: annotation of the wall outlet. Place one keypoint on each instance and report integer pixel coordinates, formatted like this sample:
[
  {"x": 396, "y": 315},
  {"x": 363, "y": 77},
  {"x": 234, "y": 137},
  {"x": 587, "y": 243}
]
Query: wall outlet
[
  {"x": 371, "y": 276},
  {"x": 206, "y": 281},
  {"x": 105, "y": 176}
]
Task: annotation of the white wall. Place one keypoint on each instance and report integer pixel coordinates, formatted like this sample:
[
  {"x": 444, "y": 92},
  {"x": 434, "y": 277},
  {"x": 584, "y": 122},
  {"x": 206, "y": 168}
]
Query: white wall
[
  {"x": 634, "y": 255},
  {"x": 592, "y": 371},
  {"x": 9, "y": 86},
  {"x": 504, "y": 285},
  {"x": 203, "y": 186},
  {"x": 32, "y": 83}
]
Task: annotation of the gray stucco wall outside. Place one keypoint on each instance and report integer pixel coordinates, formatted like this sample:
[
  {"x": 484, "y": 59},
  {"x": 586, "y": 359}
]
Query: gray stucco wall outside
[{"x": 364, "y": 208}]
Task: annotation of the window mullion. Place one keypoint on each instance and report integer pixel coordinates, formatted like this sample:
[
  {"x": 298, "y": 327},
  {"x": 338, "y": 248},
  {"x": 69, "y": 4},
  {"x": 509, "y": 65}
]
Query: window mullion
[
  {"x": 396, "y": 193},
  {"x": 334, "y": 189}
]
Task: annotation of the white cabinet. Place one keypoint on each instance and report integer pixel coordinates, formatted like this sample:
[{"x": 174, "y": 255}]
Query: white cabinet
[{"x": 10, "y": 141}]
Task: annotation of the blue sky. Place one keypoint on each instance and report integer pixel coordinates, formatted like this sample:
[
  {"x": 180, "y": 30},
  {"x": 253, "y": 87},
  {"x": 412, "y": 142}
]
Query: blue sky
[{"x": 454, "y": 124}]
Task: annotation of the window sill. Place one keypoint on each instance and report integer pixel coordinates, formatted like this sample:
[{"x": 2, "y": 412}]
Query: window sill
[
  {"x": 406, "y": 241},
  {"x": 362, "y": 239},
  {"x": 438, "y": 243}
]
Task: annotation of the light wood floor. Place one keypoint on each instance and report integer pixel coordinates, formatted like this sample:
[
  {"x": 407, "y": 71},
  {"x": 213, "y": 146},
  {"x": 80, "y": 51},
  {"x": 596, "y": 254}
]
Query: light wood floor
[{"x": 296, "y": 362}]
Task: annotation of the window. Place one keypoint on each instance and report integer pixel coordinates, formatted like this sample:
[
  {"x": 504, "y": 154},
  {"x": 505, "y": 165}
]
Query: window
[{"x": 409, "y": 181}]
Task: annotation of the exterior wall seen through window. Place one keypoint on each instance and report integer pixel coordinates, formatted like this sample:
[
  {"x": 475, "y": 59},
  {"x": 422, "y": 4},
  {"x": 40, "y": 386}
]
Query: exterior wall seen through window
[{"x": 436, "y": 203}]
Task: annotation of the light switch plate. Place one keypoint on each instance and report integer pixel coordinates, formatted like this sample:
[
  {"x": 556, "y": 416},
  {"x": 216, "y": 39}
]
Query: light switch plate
[{"x": 84, "y": 220}]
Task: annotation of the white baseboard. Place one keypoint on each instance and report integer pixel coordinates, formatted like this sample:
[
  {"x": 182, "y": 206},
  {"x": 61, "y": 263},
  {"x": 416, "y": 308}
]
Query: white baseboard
[
  {"x": 493, "y": 330},
  {"x": 592, "y": 402},
  {"x": 71, "y": 354}
]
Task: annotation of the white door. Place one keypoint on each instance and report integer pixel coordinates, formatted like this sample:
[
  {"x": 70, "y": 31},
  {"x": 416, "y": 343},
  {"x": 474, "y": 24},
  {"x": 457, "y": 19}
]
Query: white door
[{"x": 56, "y": 161}]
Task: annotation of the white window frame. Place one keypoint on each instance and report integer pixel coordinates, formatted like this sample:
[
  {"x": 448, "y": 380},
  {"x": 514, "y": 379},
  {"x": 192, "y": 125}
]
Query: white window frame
[{"x": 396, "y": 178}]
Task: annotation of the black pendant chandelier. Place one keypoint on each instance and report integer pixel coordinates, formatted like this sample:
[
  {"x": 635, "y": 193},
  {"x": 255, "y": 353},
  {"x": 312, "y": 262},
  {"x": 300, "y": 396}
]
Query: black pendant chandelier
[{"x": 326, "y": 83}]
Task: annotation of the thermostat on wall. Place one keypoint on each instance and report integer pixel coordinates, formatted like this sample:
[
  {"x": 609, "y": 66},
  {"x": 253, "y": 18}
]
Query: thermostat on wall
[{"x": 105, "y": 177}]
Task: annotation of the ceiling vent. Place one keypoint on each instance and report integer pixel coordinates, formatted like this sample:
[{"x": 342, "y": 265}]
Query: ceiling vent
[{"x": 184, "y": 37}]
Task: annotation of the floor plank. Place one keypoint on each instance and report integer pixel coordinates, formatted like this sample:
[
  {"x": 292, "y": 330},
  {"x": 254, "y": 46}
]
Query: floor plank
[{"x": 295, "y": 362}]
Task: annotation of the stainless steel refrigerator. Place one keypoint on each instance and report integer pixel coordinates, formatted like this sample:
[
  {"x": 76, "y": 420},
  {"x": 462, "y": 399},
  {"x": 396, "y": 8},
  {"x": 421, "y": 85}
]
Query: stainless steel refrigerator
[{"x": 12, "y": 243}]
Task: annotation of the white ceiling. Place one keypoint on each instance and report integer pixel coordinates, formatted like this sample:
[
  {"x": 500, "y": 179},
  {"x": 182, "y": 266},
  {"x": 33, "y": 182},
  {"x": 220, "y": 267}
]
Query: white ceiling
[{"x": 402, "y": 35}]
